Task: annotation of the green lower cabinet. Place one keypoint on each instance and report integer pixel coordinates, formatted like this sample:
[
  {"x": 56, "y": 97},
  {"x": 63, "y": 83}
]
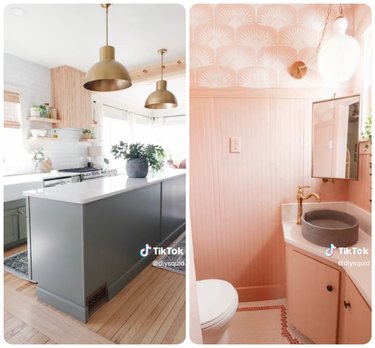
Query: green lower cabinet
[
  {"x": 22, "y": 223},
  {"x": 10, "y": 226},
  {"x": 15, "y": 226}
]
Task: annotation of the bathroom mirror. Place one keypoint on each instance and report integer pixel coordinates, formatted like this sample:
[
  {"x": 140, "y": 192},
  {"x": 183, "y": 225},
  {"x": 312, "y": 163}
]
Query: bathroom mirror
[{"x": 335, "y": 138}]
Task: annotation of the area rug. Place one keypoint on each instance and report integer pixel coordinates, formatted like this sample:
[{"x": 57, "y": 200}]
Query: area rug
[
  {"x": 18, "y": 265},
  {"x": 173, "y": 263},
  {"x": 263, "y": 323}
]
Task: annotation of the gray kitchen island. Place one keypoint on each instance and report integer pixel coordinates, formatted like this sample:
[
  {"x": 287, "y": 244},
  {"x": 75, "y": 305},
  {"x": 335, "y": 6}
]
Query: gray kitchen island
[{"x": 84, "y": 239}]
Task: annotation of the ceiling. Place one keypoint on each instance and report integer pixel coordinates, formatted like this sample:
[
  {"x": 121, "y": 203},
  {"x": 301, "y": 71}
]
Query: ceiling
[{"x": 58, "y": 34}]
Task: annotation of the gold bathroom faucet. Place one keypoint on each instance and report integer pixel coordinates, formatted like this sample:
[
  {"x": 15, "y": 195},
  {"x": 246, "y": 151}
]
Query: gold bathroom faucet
[{"x": 300, "y": 198}]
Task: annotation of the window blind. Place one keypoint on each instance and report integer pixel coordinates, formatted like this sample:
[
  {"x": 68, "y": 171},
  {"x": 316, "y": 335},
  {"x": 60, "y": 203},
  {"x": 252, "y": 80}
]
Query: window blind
[{"x": 12, "y": 110}]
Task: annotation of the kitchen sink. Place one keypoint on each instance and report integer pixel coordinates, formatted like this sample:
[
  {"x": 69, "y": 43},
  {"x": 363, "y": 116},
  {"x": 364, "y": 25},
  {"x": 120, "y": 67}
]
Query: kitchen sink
[{"x": 326, "y": 227}]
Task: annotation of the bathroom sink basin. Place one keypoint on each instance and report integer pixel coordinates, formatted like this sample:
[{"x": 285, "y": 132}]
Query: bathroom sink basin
[{"x": 326, "y": 227}]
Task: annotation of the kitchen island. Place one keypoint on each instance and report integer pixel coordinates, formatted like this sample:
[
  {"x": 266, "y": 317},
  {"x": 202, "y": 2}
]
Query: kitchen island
[{"x": 85, "y": 239}]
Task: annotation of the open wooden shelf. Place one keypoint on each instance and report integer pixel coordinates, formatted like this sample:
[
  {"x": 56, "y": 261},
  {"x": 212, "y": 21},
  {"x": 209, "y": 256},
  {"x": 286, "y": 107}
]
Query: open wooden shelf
[
  {"x": 83, "y": 140},
  {"x": 43, "y": 119},
  {"x": 43, "y": 138}
]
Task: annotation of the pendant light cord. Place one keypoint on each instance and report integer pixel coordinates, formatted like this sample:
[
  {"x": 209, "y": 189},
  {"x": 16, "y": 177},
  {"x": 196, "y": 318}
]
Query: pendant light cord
[
  {"x": 320, "y": 40},
  {"x": 106, "y": 25},
  {"x": 162, "y": 62}
]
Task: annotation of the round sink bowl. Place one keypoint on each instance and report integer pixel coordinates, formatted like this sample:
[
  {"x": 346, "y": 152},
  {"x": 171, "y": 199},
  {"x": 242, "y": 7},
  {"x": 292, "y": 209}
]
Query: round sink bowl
[{"x": 326, "y": 227}]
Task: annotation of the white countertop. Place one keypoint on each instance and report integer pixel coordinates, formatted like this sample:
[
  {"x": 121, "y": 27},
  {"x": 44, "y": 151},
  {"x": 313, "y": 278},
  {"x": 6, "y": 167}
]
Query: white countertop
[
  {"x": 14, "y": 185},
  {"x": 358, "y": 267},
  {"x": 95, "y": 189},
  {"x": 25, "y": 178}
]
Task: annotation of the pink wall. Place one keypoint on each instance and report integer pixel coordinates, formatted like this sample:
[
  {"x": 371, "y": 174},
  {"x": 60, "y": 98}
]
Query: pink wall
[
  {"x": 360, "y": 191},
  {"x": 235, "y": 198}
]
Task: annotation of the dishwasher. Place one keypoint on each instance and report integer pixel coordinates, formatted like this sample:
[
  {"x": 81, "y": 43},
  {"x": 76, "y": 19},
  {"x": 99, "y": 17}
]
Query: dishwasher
[{"x": 62, "y": 180}]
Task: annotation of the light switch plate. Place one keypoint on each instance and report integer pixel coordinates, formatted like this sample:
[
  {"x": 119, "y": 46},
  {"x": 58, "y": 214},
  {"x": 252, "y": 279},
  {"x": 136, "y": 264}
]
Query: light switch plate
[{"x": 235, "y": 144}]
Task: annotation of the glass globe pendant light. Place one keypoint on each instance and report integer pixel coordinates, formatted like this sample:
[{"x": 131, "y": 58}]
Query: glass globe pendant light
[
  {"x": 161, "y": 98},
  {"x": 339, "y": 56},
  {"x": 107, "y": 75}
]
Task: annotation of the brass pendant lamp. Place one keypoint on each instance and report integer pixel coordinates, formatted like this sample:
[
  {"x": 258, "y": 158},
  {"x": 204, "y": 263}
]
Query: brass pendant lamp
[
  {"x": 107, "y": 75},
  {"x": 161, "y": 98}
]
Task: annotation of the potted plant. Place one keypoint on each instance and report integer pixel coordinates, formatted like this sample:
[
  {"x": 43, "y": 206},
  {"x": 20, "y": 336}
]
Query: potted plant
[
  {"x": 34, "y": 111},
  {"x": 367, "y": 132},
  {"x": 86, "y": 133},
  {"x": 139, "y": 158}
]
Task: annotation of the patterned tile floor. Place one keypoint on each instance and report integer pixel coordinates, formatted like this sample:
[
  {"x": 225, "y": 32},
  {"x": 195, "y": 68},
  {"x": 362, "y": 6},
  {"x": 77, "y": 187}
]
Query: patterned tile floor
[{"x": 263, "y": 322}]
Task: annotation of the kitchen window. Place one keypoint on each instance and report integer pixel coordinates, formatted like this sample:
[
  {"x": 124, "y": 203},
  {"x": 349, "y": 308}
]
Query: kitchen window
[
  {"x": 13, "y": 155},
  {"x": 169, "y": 132}
]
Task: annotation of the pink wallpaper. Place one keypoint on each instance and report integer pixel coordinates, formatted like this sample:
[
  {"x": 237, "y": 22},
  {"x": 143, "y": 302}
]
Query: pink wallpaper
[{"x": 252, "y": 46}]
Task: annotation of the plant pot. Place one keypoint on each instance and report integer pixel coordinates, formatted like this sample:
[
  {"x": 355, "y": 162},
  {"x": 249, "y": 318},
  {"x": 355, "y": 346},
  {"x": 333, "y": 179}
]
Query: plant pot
[
  {"x": 137, "y": 168},
  {"x": 87, "y": 135},
  {"x": 34, "y": 112}
]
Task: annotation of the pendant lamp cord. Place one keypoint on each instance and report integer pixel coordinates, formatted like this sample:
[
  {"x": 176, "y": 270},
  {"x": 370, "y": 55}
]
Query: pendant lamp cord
[
  {"x": 106, "y": 25},
  {"x": 321, "y": 38},
  {"x": 161, "y": 72}
]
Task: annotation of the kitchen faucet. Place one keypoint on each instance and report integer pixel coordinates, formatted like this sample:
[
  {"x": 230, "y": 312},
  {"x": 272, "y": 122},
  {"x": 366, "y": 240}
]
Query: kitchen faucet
[{"x": 300, "y": 198}]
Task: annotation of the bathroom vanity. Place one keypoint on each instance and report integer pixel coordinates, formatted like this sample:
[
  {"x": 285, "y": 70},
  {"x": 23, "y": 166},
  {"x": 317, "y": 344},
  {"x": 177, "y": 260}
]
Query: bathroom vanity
[
  {"x": 85, "y": 239},
  {"x": 328, "y": 297}
]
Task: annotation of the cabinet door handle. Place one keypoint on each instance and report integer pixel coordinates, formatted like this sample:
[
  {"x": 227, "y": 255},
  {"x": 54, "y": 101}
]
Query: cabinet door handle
[
  {"x": 346, "y": 304},
  {"x": 329, "y": 288}
]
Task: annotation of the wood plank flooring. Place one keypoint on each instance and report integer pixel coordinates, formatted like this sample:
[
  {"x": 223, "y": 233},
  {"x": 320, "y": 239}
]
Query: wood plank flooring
[{"x": 150, "y": 309}]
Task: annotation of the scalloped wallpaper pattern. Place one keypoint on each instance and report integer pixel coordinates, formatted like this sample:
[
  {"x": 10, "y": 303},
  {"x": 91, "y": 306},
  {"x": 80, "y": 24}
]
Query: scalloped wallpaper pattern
[{"x": 240, "y": 45}]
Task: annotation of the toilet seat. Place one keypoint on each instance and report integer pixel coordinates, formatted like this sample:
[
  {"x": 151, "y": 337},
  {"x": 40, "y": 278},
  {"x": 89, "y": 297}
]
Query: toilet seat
[{"x": 217, "y": 300}]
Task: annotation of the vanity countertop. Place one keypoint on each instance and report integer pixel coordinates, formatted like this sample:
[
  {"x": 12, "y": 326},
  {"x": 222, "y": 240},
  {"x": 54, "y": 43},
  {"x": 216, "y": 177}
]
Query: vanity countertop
[{"x": 357, "y": 266}]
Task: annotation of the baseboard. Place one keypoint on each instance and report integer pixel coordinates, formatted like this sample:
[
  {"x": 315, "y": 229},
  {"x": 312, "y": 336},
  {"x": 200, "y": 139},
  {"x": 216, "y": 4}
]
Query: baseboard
[
  {"x": 68, "y": 307},
  {"x": 131, "y": 273},
  {"x": 173, "y": 235},
  {"x": 261, "y": 293}
]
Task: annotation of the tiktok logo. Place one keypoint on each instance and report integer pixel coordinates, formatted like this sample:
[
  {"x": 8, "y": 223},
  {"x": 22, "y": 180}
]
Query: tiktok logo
[
  {"x": 330, "y": 251},
  {"x": 144, "y": 252}
]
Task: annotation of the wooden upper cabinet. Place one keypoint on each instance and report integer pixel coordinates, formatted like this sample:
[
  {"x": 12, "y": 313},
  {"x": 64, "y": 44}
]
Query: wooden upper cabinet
[
  {"x": 355, "y": 315},
  {"x": 72, "y": 101}
]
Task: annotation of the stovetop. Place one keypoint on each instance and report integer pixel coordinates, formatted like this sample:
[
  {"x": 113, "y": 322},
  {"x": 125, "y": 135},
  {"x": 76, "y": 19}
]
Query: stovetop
[
  {"x": 80, "y": 170},
  {"x": 86, "y": 172}
]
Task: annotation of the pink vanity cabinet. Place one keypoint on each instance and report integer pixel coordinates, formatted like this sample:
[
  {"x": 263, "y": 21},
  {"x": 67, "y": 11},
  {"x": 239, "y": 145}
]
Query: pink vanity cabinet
[
  {"x": 318, "y": 293},
  {"x": 354, "y": 315}
]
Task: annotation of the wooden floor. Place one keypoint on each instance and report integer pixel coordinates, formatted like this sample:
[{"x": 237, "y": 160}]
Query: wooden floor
[{"x": 151, "y": 309}]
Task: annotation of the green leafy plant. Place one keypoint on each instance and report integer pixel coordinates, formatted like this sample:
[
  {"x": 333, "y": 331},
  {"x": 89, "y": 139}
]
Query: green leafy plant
[
  {"x": 154, "y": 154},
  {"x": 86, "y": 131},
  {"x": 367, "y": 133},
  {"x": 41, "y": 109}
]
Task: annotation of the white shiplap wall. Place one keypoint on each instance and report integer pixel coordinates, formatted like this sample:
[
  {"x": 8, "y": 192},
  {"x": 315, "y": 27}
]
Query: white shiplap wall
[{"x": 33, "y": 82}]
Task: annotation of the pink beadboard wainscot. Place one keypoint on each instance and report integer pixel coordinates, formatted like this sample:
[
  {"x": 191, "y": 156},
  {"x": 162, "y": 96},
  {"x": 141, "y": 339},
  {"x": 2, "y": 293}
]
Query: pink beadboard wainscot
[
  {"x": 240, "y": 87},
  {"x": 235, "y": 199}
]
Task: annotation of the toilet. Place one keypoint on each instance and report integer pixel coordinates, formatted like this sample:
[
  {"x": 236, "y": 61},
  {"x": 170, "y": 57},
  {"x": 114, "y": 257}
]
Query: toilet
[{"x": 217, "y": 301}]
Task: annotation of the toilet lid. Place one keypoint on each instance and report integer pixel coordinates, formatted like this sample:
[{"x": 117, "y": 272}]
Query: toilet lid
[{"x": 216, "y": 298}]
